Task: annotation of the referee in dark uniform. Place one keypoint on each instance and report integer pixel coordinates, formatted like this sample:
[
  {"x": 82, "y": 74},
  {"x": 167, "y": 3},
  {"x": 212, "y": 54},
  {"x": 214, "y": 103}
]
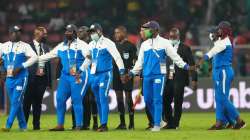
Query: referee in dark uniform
[
  {"x": 39, "y": 79},
  {"x": 176, "y": 81},
  {"x": 128, "y": 53}
]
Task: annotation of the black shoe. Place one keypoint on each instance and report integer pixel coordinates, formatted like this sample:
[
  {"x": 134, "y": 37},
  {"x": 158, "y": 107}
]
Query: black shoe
[
  {"x": 85, "y": 128},
  {"x": 57, "y": 128},
  {"x": 131, "y": 127},
  {"x": 95, "y": 127},
  {"x": 239, "y": 125},
  {"x": 149, "y": 127},
  {"x": 121, "y": 127},
  {"x": 102, "y": 128},
  {"x": 169, "y": 127},
  {"x": 216, "y": 127},
  {"x": 36, "y": 128}
]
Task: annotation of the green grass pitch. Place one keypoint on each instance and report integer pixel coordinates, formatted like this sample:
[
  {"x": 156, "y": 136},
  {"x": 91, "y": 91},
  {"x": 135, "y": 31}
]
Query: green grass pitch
[{"x": 193, "y": 127}]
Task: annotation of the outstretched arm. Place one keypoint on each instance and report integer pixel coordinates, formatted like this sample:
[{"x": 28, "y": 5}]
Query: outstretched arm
[{"x": 32, "y": 57}]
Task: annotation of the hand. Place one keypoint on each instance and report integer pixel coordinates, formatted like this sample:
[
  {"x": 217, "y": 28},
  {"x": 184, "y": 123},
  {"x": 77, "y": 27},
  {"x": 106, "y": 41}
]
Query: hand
[
  {"x": 192, "y": 68},
  {"x": 194, "y": 85},
  {"x": 137, "y": 81},
  {"x": 48, "y": 88},
  {"x": 1, "y": 61},
  {"x": 201, "y": 61},
  {"x": 16, "y": 71},
  {"x": 124, "y": 78},
  {"x": 78, "y": 77}
]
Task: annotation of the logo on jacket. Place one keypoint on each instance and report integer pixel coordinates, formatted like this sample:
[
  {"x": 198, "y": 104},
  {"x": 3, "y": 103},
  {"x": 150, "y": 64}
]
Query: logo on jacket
[{"x": 126, "y": 55}]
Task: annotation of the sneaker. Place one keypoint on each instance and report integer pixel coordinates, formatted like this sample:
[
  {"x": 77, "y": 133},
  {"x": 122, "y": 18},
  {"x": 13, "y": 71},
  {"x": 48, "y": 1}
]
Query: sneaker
[
  {"x": 163, "y": 124},
  {"x": 239, "y": 125},
  {"x": 58, "y": 128},
  {"x": 121, "y": 127},
  {"x": 102, "y": 128},
  {"x": 230, "y": 126},
  {"x": 216, "y": 127},
  {"x": 77, "y": 128},
  {"x": 156, "y": 129},
  {"x": 23, "y": 129}
]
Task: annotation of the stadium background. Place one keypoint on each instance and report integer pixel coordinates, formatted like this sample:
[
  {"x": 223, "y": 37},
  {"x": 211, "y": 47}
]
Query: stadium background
[{"x": 193, "y": 17}]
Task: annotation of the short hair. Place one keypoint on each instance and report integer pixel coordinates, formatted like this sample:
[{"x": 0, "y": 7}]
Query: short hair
[
  {"x": 175, "y": 30},
  {"x": 122, "y": 28},
  {"x": 41, "y": 28}
]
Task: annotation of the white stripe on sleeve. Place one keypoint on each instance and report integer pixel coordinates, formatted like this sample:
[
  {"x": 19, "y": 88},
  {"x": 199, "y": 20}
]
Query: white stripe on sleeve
[
  {"x": 175, "y": 57},
  {"x": 85, "y": 48},
  {"x": 218, "y": 47},
  {"x": 52, "y": 54},
  {"x": 32, "y": 56},
  {"x": 116, "y": 55},
  {"x": 138, "y": 64}
]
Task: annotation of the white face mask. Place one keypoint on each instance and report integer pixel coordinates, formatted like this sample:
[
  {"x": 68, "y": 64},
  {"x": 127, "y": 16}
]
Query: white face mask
[
  {"x": 211, "y": 36},
  {"x": 95, "y": 37},
  {"x": 175, "y": 42}
]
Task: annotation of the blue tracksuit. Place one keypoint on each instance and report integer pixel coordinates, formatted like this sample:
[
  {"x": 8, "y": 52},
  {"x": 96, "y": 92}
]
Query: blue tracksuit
[
  {"x": 101, "y": 69},
  {"x": 15, "y": 54},
  {"x": 223, "y": 74},
  {"x": 69, "y": 56},
  {"x": 152, "y": 59}
]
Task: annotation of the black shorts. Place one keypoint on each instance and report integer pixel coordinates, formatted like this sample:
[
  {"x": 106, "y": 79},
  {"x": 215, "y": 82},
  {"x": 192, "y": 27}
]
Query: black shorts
[{"x": 118, "y": 85}]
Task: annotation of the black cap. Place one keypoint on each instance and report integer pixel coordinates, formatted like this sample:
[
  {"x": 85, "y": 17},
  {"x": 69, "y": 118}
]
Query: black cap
[
  {"x": 95, "y": 27},
  {"x": 152, "y": 25},
  {"x": 84, "y": 28},
  {"x": 213, "y": 29},
  {"x": 15, "y": 28},
  {"x": 224, "y": 24},
  {"x": 71, "y": 27}
]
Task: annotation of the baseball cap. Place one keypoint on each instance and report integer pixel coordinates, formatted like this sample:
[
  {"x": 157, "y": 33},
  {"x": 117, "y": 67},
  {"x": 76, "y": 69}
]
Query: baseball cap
[
  {"x": 224, "y": 24},
  {"x": 71, "y": 27},
  {"x": 84, "y": 28},
  {"x": 15, "y": 28},
  {"x": 213, "y": 29},
  {"x": 152, "y": 25},
  {"x": 95, "y": 27}
]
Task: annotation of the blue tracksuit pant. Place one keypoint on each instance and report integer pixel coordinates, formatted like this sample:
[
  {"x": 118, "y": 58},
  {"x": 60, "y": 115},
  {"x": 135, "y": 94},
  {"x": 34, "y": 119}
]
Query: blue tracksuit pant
[
  {"x": 16, "y": 89},
  {"x": 100, "y": 86},
  {"x": 153, "y": 87},
  {"x": 69, "y": 88},
  {"x": 225, "y": 110}
]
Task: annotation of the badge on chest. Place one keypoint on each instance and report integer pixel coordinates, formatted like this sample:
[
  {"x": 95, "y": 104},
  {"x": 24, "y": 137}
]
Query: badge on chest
[
  {"x": 126, "y": 55},
  {"x": 10, "y": 69}
]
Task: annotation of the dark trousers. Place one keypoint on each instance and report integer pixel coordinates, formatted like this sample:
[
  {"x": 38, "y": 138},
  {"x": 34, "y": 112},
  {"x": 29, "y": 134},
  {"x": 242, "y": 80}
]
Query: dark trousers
[
  {"x": 174, "y": 91},
  {"x": 121, "y": 107},
  {"x": 90, "y": 107},
  {"x": 34, "y": 96}
]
